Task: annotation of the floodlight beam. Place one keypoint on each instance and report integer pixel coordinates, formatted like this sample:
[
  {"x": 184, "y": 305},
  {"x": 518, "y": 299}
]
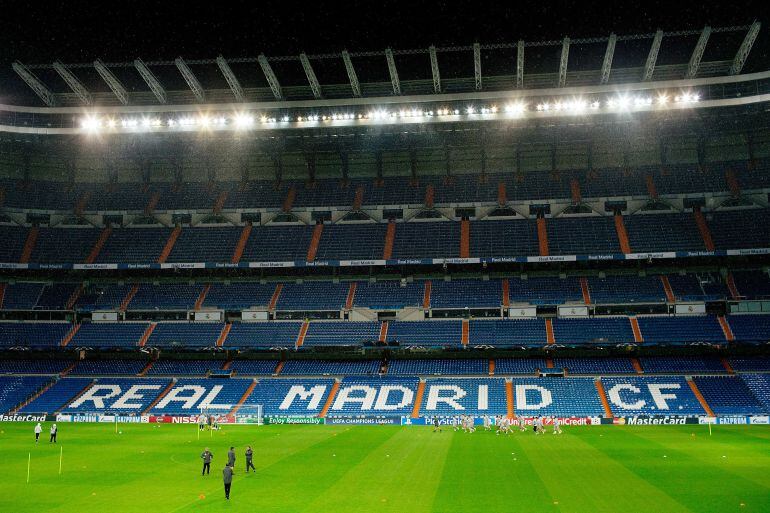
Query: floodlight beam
[
  {"x": 190, "y": 78},
  {"x": 34, "y": 83}
]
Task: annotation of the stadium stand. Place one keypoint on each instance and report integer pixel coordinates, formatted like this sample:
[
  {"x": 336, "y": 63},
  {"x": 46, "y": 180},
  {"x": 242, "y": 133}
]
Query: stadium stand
[
  {"x": 210, "y": 244},
  {"x": 28, "y": 366},
  {"x": 680, "y": 364},
  {"x": 465, "y": 294},
  {"x": 341, "y": 333},
  {"x": 33, "y": 334},
  {"x": 544, "y": 290},
  {"x": 263, "y": 334},
  {"x": 759, "y": 385},
  {"x": 475, "y": 396},
  {"x": 555, "y": 396},
  {"x": 290, "y": 397},
  {"x": 134, "y": 245},
  {"x": 178, "y": 334},
  {"x": 57, "y": 396},
  {"x": 313, "y": 295},
  {"x": 124, "y": 334},
  {"x": 428, "y": 333},
  {"x": 184, "y": 367},
  {"x": 752, "y": 284},
  {"x": 681, "y": 330},
  {"x": 330, "y": 367},
  {"x": 754, "y": 328},
  {"x": 388, "y": 295},
  {"x": 595, "y": 366},
  {"x": 669, "y": 395},
  {"x": 374, "y": 395},
  {"x": 108, "y": 368},
  {"x": 595, "y": 331},
  {"x": 728, "y": 395},
  {"x": 253, "y": 367},
  {"x": 167, "y": 296},
  {"x": 513, "y": 366},
  {"x": 14, "y": 390},
  {"x": 626, "y": 289},
  {"x": 439, "y": 367},
  {"x": 750, "y": 364},
  {"x": 239, "y": 295}
]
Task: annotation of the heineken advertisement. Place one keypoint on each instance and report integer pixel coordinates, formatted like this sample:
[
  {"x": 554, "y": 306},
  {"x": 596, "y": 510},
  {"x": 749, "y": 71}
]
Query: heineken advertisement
[{"x": 283, "y": 419}]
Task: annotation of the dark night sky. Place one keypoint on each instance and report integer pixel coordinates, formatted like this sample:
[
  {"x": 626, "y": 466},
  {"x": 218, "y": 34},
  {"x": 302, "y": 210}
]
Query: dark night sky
[{"x": 123, "y": 30}]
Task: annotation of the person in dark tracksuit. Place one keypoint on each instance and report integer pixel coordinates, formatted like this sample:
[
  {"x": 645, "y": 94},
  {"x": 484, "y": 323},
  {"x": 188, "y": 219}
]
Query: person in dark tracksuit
[
  {"x": 231, "y": 457},
  {"x": 249, "y": 456},
  {"x": 227, "y": 478},
  {"x": 206, "y": 456}
]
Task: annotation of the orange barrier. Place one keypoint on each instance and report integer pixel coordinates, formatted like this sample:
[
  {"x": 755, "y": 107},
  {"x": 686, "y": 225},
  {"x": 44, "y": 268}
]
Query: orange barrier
[
  {"x": 585, "y": 290},
  {"x": 637, "y": 365},
  {"x": 603, "y": 398},
  {"x": 152, "y": 203},
  {"x": 429, "y": 193},
  {"x": 243, "y": 398},
  {"x": 279, "y": 368},
  {"x": 223, "y": 334},
  {"x": 726, "y": 329},
  {"x": 703, "y": 228},
  {"x": 418, "y": 400},
  {"x": 426, "y": 295},
  {"x": 219, "y": 203},
  {"x": 275, "y": 296},
  {"x": 359, "y": 198},
  {"x": 94, "y": 254},
  {"x": 314, "y": 242},
  {"x": 652, "y": 190},
  {"x": 731, "y": 286},
  {"x": 390, "y": 236},
  {"x": 574, "y": 186},
  {"x": 330, "y": 399},
  {"x": 506, "y": 293},
  {"x": 69, "y": 335},
  {"x": 465, "y": 239},
  {"x": 241, "y": 246},
  {"x": 29, "y": 245},
  {"x": 383, "y": 331},
  {"x": 161, "y": 396},
  {"x": 502, "y": 194},
  {"x": 202, "y": 296},
  {"x": 511, "y": 409},
  {"x": 302, "y": 333},
  {"x": 700, "y": 398},
  {"x": 129, "y": 296},
  {"x": 542, "y": 236},
  {"x": 620, "y": 228},
  {"x": 288, "y": 202},
  {"x": 466, "y": 332},
  {"x": 169, "y": 244},
  {"x": 351, "y": 296},
  {"x": 491, "y": 366},
  {"x": 146, "y": 335},
  {"x": 670, "y": 297},
  {"x": 636, "y": 330},
  {"x": 549, "y": 332},
  {"x": 727, "y": 366}
]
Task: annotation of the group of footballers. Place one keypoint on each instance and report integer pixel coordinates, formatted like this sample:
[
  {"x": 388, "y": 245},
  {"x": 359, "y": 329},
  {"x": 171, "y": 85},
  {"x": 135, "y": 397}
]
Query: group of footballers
[{"x": 504, "y": 424}]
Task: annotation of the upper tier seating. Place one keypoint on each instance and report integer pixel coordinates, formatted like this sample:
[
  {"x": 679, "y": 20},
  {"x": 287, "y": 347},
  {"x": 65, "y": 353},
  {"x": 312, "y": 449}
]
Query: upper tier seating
[
  {"x": 739, "y": 229},
  {"x": 184, "y": 367},
  {"x": 728, "y": 395},
  {"x": 465, "y": 293},
  {"x": 544, "y": 290},
  {"x": 320, "y": 367},
  {"x": 253, "y": 367},
  {"x": 13, "y": 238},
  {"x": 505, "y": 366},
  {"x": 134, "y": 245},
  {"x": 33, "y": 366},
  {"x": 21, "y": 296},
  {"x": 33, "y": 334},
  {"x": 385, "y": 295},
  {"x": 191, "y": 334},
  {"x": 313, "y": 295},
  {"x": 687, "y": 287},
  {"x": 663, "y": 232},
  {"x": 428, "y": 333},
  {"x": 167, "y": 296},
  {"x": 14, "y": 390},
  {"x": 239, "y": 295},
  {"x": 352, "y": 241},
  {"x": 212, "y": 244},
  {"x": 753, "y": 284},
  {"x": 57, "y": 245},
  {"x": 263, "y": 334},
  {"x": 681, "y": 330},
  {"x": 103, "y": 297},
  {"x": 277, "y": 243},
  {"x": 626, "y": 289},
  {"x": 516, "y": 237},
  {"x": 438, "y": 367},
  {"x": 123, "y": 334},
  {"x": 341, "y": 333},
  {"x": 750, "y": 364},
  {"x": 582, "y": 235},
  {"x": 427, "y": 240}
]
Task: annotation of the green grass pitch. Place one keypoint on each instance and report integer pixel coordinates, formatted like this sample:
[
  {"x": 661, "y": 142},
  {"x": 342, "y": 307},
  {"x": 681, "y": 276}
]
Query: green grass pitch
[{"x": 344, "y": 469}]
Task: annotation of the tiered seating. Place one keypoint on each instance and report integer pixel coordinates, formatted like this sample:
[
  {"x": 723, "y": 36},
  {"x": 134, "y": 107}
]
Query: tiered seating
[
  {"x": 687, "y": 287},
  {"x": 597, "y": 366},
  {"x": 362, "y": 396},
  {"x": 469, "y": 396},
  {"x": 321, "y": 367},
  {"x": 750, "y": 328},
  {"x": 562, "y": 397},
  {"x": 210, "y": 244},
  {"x": 663, "y": 232},
  {"x": 427, "y": 240},
  {"x": 728, "y": 395},
  {"x": 725, "y": 235},
  {"x": 465, "y": 294},
  {"x": 253, "y": 367},
  {"x": 599, "y": 331},
  {"x": 33, "y": 366},
  {"x": 21, "y": 296},
  {"x": 352, "y": 242},
  {"x": 429, "y": 333},
  {"x": 263, "y": 334},
  {"x": 13, "y": 238},
  {"x": 752, "y": 284},
  {"x": 123, "y": 334},
  {"x": 582, "y": 236},
  {"x": 184, "y": 367},
  {"x": 759, "y": 385},
  {"x": 167, "y": 296},
  {"x": 174, "y": 334},
  {"x": 681, "y": 330},
  {"x": 179, "y": 400},
  {"x": 749, "y": 364},
  {"x": 277, "y": 243},
  {"x": 239, "y": 295},
  {"x": 341, "y": 333},
  {"x": 680, "y": 364},
  {"x": 626, "y": 289},
  {"x": 503, "y": 238},
  {"x": 134, "y": 245},
  {"x": 108, "y": 368},
  {"x": 506, "y": 366},
  {"x": 650, "y": 396},
  {"x": 55, "y": 296},
  {"x": 60, "y": 245},
  {"x": 103, "y": 297},
  {"x": 287, "y": 396},
  {"x": 57, "y": 396},
  {"x": 385, "y": 295},
  {"x": 507, "y": 333},
  {"x": 438, "y": 367},
  {"x": 544, "y": 290},
  {"x": 15, "y": 390},
  {"x": 110, "y": 392},
  {"x": 713, "y": 285},
  {"x": 32, "y": 334},
  {"x": 313, "y": 295}
]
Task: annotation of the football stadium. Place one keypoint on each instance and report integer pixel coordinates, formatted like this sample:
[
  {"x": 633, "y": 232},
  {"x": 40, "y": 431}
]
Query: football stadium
[{"x": 435, "y": 272}]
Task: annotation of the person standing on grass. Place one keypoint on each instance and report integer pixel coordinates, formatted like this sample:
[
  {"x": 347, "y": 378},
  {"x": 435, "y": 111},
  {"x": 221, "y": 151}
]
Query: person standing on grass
[
  {"x": 231, "y": 457},
  {"x": 249, "y": 456},
  {"x": 436, "y": 425},
  {"x": 556, "y": 426},
  {"x": 227, "y": 478},
  {"x": 54, "y": 431},
  {"x": 206, "y": 456},
  {"x": 38, "y": 430}
]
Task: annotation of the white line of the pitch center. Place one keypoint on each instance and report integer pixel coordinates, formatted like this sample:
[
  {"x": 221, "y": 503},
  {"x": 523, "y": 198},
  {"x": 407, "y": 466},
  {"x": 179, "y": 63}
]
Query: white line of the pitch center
[{"x": 238, "y": 476}]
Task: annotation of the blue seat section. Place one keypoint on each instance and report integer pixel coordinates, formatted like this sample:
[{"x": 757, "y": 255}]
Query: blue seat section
[
  {"x": 352, "y": 242},
  {"x": 714, "y": 285},
  {"x": 263, "y": 334},
  {"x": 260, "y": 193},
  {"x": 184, "y": 367},
  {"x": 341, "y": 333},
  {"x": 106, "y": 396},
  {"x": 626, "y": 289},
  {"x": 134, "y": 245},
  {"x": 427, "y": 240},
  {"x": 663, "y": 232},
  {"x": 600, "y": 183},
  {"x": 313, "y": 295},
  {"x": 750, "y": 327},
  {"x": 465, "y": 293},
  {"x": 681, "y": 364},
  {"x": 13, "y": 238},
  {"x": 57, "y": 396},
  {"x": 517, "y": 332},
  {"x": 201, "y": 334},
  {"x": 320, "y": 367},
  {"x": 33, "y": 334},
  {"x": 189, "y": 395},
  {"x": 277, "y": 243},
  {"x": 446, "y": 367},
  {"x": 103, "y": 297},
  {"x": 556, "y": 396},
  {"x": 44, "y": 195},
  {"x": 167, "y": 296},
  {"x": 290, "y": 396},
  {"x": 680, "y": 330},
  {"x": 386, "y": 396},
  {"x": 544, "y": 290},
  {"x": 428, "y": 333},
  {"x": 21, "y": 296},
  {"x": 123, "y": 334},
  {"x": 238, "y": 296},
  {"x": 582, "y": 236},
  {"x": 209, "y": 244},
  {"x": 740, "y": 229},
  {"x": 659, "y": 395},
  {"x": 33, "y": 366},
  {"x": 59, "y": 245},
  {"x": 599, "y": 331},
  {"x": 728, "y": 395},
  {"x": 253, "y": 367},
  {"x": 759, "y": 385},
  {"x": 687, "y": 287},
  {"x": 512, "y": 366},
  {"x": 55, "y": 296},
  {"x": 15, "y": 390},
  {"x": 516, "y": 237},
  {"x": 595, "y": 365},
  {"x": 475, "y": 396},
  {"x": 752, "y": 284},
  {"x": 108, "y": 368},
  {"x": 385, "y": 295},
  {"x": 195, "y": 195},
  {"x": 750, "y": 364}
]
